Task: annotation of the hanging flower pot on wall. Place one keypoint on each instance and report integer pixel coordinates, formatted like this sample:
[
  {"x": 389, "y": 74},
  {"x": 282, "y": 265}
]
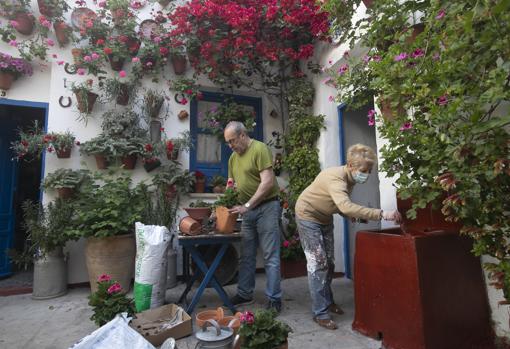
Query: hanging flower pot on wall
[
  {"x": 101, "y": 161},
  {"x": 61, "y": 32},
  {"x": 129, "y": 162},
  {"x": 123, "y": 96},
  {"x": 44, "y": 8},
  {"x": 155, "y": 131},
  {"x": 86, "y": 100},
  {"x": 63, "y": 153},
  {"x": 151, "y": 164},
  {"x": 65, "y": 193},
  {"x": 179, "y": 64},
  {"x": 6, "y": 79},
  {"x": 24, "y": 23},
  {"x": 116, "y": 63}
]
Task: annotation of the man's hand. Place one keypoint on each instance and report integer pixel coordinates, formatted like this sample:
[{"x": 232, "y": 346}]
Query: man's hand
[
  {"x": 392, "y": 216},
  {"x": 238, "y": 209}
]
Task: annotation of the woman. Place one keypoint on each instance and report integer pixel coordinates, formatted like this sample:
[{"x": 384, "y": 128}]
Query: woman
[{"x": 329, "y": 194}]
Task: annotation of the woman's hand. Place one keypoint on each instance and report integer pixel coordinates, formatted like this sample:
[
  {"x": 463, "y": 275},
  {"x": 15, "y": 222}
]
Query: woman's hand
[{"x": 392, "y": 216}]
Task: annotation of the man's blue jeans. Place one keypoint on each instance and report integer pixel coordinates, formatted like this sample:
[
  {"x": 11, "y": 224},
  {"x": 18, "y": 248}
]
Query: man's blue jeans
[
  {"x": 318, "y": 244},
  {"x": 261, "y": 225}
]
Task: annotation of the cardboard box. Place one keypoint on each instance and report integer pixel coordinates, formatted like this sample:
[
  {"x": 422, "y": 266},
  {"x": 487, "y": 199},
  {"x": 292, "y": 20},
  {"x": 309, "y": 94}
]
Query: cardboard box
[{"x": 183, "y": 329}]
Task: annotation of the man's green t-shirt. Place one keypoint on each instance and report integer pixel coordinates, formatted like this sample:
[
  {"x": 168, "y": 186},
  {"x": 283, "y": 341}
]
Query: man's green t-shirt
[{"x": 245, "y": 170}]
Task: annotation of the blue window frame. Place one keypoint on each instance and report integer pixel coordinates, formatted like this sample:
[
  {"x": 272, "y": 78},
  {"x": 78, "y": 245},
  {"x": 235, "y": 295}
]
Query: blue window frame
[{"x": 220, "y": 165}]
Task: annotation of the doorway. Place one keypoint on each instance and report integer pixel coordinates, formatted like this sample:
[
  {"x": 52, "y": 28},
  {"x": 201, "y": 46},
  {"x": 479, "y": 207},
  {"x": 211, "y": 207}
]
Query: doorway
[
  {"x": 19, "y": 181},
  {"x": 354, "y": 129}
]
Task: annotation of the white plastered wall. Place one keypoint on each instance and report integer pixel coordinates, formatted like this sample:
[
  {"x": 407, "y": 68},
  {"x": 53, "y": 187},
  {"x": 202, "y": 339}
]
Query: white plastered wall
[{"x": 47, "y": 85}]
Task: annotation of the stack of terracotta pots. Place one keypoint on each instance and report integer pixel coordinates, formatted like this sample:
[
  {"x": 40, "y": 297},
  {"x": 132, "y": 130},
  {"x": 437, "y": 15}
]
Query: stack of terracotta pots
[{"x": 192, "y": 224}]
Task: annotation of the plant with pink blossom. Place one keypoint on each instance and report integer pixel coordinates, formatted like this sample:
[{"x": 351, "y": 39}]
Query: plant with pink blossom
[
  {"x": 261, "y": 330},
  {"x": 15, "y": 66},
  {"x": 109, "y": 300}
]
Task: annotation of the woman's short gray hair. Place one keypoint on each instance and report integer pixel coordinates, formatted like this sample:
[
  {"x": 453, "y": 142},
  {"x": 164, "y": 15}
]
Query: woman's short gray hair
[
  {"x": 359, "y": 155},
  {"x": 237, "y": 126}
]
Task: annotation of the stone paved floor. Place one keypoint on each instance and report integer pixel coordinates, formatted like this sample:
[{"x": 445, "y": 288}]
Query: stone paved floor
[{"x": 60, "y": 322}]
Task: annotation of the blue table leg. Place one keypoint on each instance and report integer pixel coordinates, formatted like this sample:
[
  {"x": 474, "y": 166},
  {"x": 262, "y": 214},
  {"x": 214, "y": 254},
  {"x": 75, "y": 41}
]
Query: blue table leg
[
  {"x": 194, "y": 277},
  {"x": 209, "y": 277}
]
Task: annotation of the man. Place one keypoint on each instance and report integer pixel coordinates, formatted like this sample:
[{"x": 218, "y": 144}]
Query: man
[
  {"x": 250, "y": 166},
  {"x": 328, "y": 194}
]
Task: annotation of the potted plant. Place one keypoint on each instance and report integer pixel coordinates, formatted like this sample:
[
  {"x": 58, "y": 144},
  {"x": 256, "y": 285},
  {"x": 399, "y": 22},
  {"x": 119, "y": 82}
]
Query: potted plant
[
  {"x": 173, "y": 181},
  {"x": 106, "y": 211},
  {"x": 174, "y": 146},
  {"x": 48, "y": 232},
  {"x": 128, "y": 150},
  {"x": 66, "y": 181},
  {"x": 54, "y": 11},
  {"x": 119, "y": 91},
  {"x": 178, "y": 57},
  {"x": 60, "y": 142},
  {"x": 19, "y": 12},
  {"x": 186, "y": 89},
  {"x": 88, "y": 60},
  {"x": 84, "y": 96},
  {"x": 11, "y": 68},
  {"x": 150, "y": 157},
  {"x": 29, "y": 144},
  {"x": 218, "y": 184},
  {"x": 102, "y": 149},
  {"x": 199, "y": 182},
  {"x": 293, "y": 261},
  {"x": 109, "y": 300},
  {"x": 217, "y": 118},
  {"x": 262, "y": 331},
  {"x": 225, "y": 221},
  {"x": 122, "y": 124},
  {"x": 117, "y": 51},
  {"x": 152, "y": 102},
  {"x": 199, "y": 210}
]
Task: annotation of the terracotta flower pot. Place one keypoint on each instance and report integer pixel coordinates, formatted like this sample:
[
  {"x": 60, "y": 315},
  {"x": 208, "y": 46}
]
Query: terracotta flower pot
[
  {"x": 225, "y": 221},
  {"x": 200, "y": 186},
  {"x": 151, "y": 165},
  {"x": 25, "y": 23},
  {"x": 86, "y": 100},
  {"x": 133, "y": 45},
  {"x": 189, "y": 226},
  {"x": 173, "y": 155},
  {"x": 77, "y": 52},
  {"x": 129, "y": 162},
  {"x": 123, "y": 96},
  {"x": 293, "y": 269},
  {"x": 232, "y": 322},
  {"x": 6, "y": 80},
  {"x": 116, "y": 63},
  {"x": 101, "y": 161},
  {"x": 61, "y": 32},
  {"x": 209, "y": 314},
  {"x": 65, "y": 193},
  {"x": 64, "y": 153},
  {"x": 179, "y": 64},
  {"x": 198, "y": 213},
  {"x": 44, "y": 8}
]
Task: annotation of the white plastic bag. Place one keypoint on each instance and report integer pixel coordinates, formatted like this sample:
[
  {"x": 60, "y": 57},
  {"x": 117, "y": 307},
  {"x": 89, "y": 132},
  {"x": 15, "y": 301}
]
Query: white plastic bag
[
  {"x": 115, "y": 334},
  {"x": 150, "y": 266}
]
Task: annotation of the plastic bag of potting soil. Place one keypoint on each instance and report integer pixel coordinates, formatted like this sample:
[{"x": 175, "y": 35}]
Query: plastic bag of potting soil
[
  {"x": 114, "y": 334},
  {"x": 152, "y": 242}
]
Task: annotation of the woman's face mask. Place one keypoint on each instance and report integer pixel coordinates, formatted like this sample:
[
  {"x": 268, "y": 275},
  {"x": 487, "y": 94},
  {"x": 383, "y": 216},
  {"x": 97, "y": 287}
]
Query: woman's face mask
[{"x": 360, "y": 177}]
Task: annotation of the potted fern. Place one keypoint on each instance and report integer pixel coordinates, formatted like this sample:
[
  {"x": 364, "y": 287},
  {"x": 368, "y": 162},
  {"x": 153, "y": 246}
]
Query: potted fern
[{"x": 66, "y": 181}]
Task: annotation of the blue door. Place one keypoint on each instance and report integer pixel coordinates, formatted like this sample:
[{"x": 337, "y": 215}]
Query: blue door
[{"x": 8, "y": 177}]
